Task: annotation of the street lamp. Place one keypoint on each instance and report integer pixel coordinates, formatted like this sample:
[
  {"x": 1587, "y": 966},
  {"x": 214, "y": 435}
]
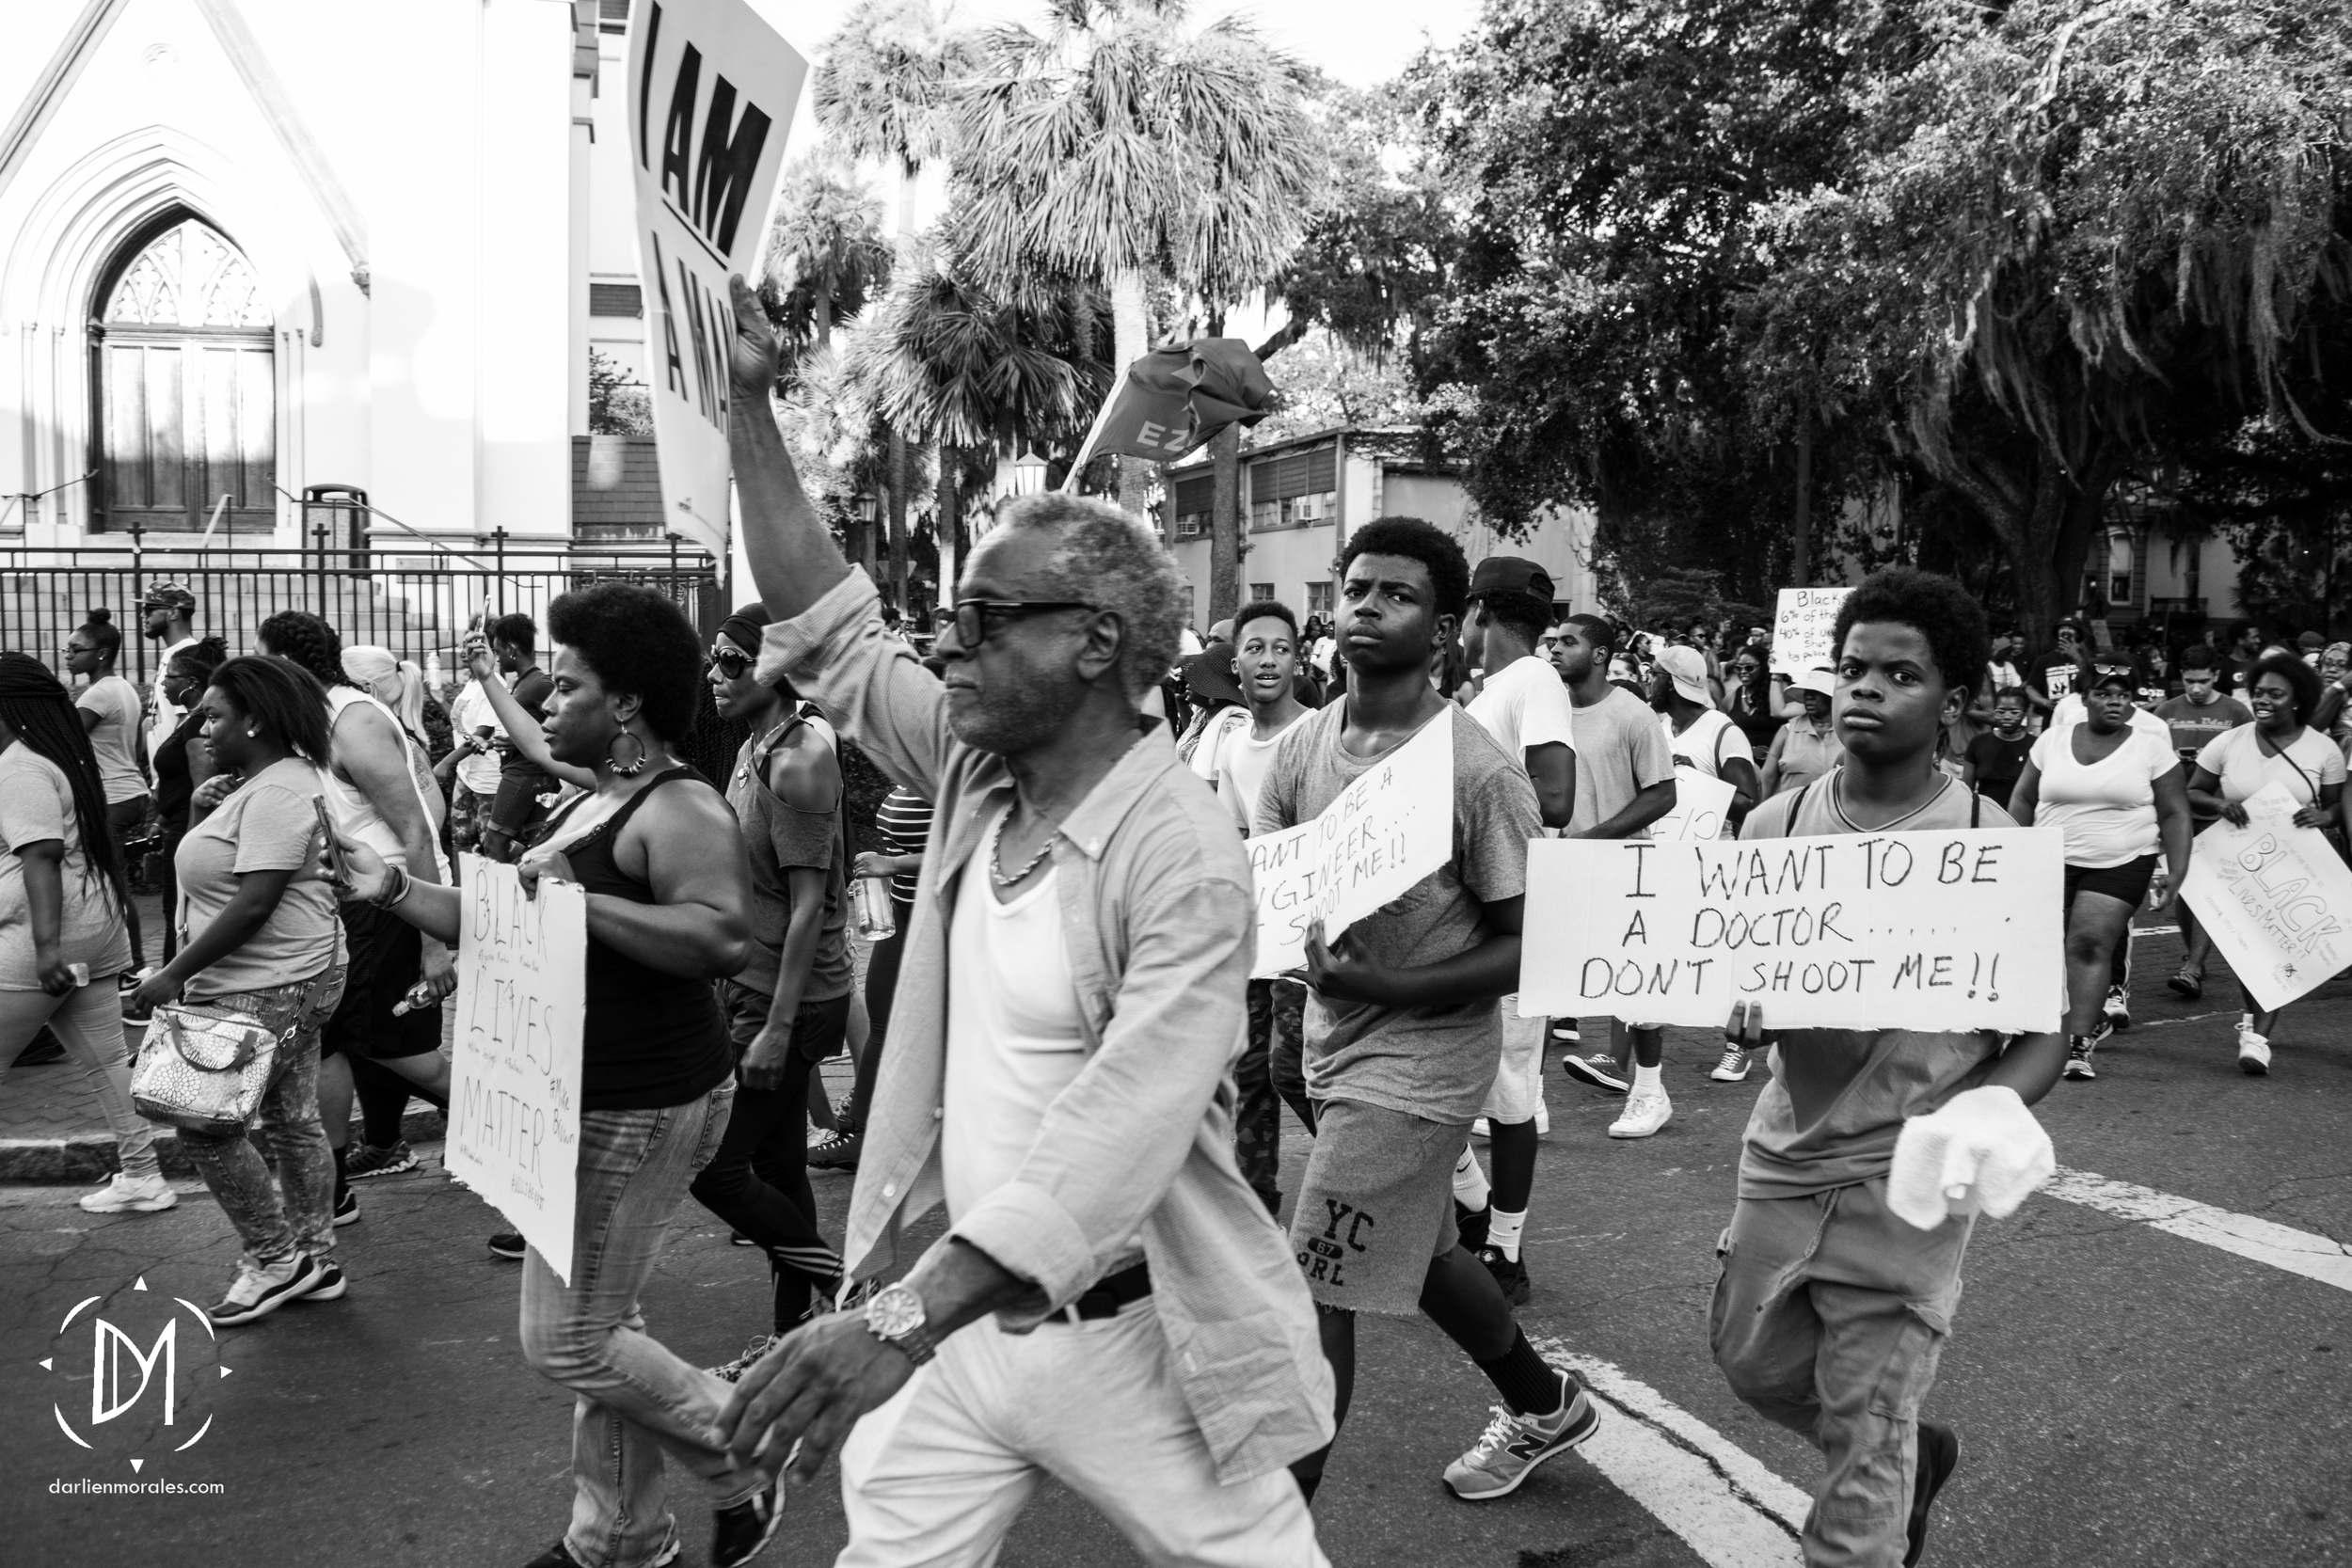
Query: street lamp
[{"x": 1028, "y": 474}]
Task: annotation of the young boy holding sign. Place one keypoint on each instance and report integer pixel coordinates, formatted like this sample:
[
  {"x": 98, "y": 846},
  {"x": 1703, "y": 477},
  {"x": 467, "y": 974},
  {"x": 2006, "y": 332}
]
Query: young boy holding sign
[{"x": 1831, "y": 1314}]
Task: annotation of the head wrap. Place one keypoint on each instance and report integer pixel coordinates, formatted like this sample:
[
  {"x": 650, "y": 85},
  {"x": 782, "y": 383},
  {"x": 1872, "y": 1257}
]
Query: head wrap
[{"x": 746, "y": 627}]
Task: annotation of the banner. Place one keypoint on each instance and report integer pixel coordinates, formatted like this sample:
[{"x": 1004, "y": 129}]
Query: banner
[
  {"x": 712, "y": 91},
  {"x": 2273, "y": 897},
  {"x": 1802, "y": 624},
  {"x": 1935, "y": 929},
  {"x": 514, "y": 1092},
  {"x": 1385, "y": 832},
  {"x": 1700, "y": 804}
]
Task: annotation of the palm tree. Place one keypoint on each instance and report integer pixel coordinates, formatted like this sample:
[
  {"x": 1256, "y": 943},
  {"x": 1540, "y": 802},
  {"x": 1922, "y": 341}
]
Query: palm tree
[{"x": 826, "y": 251}]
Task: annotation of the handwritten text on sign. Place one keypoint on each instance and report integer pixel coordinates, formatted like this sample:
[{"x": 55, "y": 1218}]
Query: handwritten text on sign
[
  {"x": 514, "y": 1093},
  {"x": 1802, "y": 624},
  {"x": 711, "y": 90},
  {"x": 1390, "y": 827},
  {"x": 1701, "y": 805},
  {"x": 1933, "y": 929},
  {"x": 2275, "y": 897}
]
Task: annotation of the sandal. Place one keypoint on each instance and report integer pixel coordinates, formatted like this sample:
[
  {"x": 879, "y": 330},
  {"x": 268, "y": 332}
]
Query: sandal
[{"x": 2187, "y": 981}]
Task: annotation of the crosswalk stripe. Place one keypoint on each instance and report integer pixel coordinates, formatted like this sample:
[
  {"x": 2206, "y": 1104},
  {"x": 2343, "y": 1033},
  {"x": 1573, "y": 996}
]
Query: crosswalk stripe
[
  {"x": 1723, "y": 1502},
  {"x": 2282, "y": 1247}
]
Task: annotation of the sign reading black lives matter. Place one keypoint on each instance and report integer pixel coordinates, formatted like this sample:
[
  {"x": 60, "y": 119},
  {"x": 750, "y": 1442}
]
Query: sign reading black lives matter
[
  {"x": 514, "y": 1092},
  {"x": 712, "y": 91},
  {"x": 1927, "y": 929}
]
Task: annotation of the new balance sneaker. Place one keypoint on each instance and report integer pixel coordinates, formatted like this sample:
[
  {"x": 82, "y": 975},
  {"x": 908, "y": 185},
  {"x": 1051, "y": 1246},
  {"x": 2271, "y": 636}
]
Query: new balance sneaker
[
  {"x": 1939, "y": 1456},
  {"x": 142, "y": 1195},
  {"x": 1513, "y": 1445},
  {"x": 509, "y": 1244},
  {"x": 2253, "y": 1051},
  {"x": 1733, "y": 1068},
  {"x": 2118, "y": 1007},
  {"x": 368, "y": 1160},
  {"x": 255, "y": 1292},
  {"x": 1644, "y": 1115},
  {"x": 730, "y": 1372},
  {"x": 741, "y": 1531},
  {"x": 2078, "y": 1050},
  {"x": 347, "y": 1208},
  {"x": 837, "y": 1151},
  {"x": 1510, "y": 1273},
  {"x": 331, "y": 1283},
  {"x": 1599, "y": 1070}
]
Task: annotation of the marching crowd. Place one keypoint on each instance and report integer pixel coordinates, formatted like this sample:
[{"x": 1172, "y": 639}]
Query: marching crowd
[{"x": 1057, "y": 1036}]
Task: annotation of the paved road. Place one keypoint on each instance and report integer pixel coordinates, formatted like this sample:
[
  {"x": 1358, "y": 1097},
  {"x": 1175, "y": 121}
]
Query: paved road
[{"x": 2127, "y": 1395}]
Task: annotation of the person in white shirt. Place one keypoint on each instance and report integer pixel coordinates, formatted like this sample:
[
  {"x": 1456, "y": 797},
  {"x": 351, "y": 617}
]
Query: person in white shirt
[
  {"x": 2065, "y": 713},
  {"x": 1700, "y": 733},
  {"x": 1524, "y": 705},
  {"x": 473, "y": 764},
  {"x": 167, "y": 615},
  {"x": 111, "y": 711}
]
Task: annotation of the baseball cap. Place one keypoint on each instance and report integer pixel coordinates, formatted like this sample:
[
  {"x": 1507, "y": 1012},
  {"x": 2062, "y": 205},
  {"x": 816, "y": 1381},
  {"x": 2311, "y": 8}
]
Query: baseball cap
[
  {"x": 2311, "y": 640},
  {"x": 1511, "y": 574},
  {"x": 1687, "y": 668},
  {"x": 2108, "y": 672},
  {"x": 1821, "y": 678},
  {"x": 1209, "y": 673},
  {"x": 169, "y": 595}
]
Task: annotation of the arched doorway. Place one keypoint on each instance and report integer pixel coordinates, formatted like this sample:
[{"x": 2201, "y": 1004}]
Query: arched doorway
[{"x": 186, "y": 387}]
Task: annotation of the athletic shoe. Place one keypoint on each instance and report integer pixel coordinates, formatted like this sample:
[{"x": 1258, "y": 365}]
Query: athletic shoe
[
  {"x": 742, "y": 1531},
  {"x": 1645, "y": 1113},
  {"x": 1543, "y": 1119},
  {"x": 2103, "y": 1031},
  {"x": 837, "y": 1151},
  {"x": 1513, "y": 1445},
  {"x": 2188, "y": 982},
  {"x": 1733, "y": 1068},
  {"x": 256, "y": 1292},
  {"x": 509, "y": 1244},
  {"x": 347, "y": 1208},
  {"x": 1600, "y": 1070},
  {"x": 1566, "y": 1031},
  {"x": 2078, "y": 1050},
  {"x": 2118, "y": 1007},
  {"x": 728, "y": 1371},
  {"x": 560, "y": 1556},
  {"x": 1510, "y": 1273},
  {"x": 143, "y": 1195},
  {"x": 2253, "y": 1052},
  {"x": 1939, "y": 1456},
  {"x": 1482, "y": 1128},
  {"x": 1472, "y": 1227},
  {"x": 368, "y": 1160},
  {"x": 735, "y": 1238},
  {"x": 331, "y": 1283}
]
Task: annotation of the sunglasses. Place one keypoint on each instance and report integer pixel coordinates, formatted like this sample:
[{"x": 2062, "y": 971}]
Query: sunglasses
[
  {"x": 732, "y": 661},
  {"x": 977, "y": 618}
]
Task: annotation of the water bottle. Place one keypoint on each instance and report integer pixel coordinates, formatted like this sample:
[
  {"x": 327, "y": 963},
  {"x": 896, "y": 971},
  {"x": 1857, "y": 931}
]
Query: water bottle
[{"x": 870, "y": 913}]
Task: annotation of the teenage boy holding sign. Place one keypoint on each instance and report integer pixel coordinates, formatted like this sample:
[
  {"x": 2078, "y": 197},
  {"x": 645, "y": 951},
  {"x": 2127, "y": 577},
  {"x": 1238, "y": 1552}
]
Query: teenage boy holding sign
[{"x": 1831, "y": 1314}]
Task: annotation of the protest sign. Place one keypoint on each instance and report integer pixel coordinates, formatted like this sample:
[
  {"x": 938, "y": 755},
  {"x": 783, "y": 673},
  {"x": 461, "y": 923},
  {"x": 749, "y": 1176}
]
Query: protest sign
[
  {"x": 1700, "y": 804},
  {"x": 1802, "y": 624},
  {"x": 514, "y": 1092},
  {"x": 1934, "y": 929},
  {"x": 2275, "y": 898},
  {"x": 712, "y": 91},
  {"x": 1390, "y": 827}
]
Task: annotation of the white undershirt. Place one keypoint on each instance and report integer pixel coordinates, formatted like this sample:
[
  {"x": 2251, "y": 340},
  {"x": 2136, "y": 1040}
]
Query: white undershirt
[{"x": 1013, "y": 1041}]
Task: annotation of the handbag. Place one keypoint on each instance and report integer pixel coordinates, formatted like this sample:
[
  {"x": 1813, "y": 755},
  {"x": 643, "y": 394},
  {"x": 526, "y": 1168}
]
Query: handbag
[{"x": 203, "y": 1067}]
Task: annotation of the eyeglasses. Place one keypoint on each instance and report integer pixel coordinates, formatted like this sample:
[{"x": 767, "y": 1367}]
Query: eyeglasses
[
  {"x": 732, "y": 661},
  {"x": 975, "y": 618}
]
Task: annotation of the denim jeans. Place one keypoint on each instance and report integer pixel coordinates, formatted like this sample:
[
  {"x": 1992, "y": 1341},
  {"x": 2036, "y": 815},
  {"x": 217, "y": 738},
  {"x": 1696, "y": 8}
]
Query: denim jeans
[
  {"x": 88, "y": 1020},
  {"x": 304, "y": 1220},
  {"x": 636, "y": 1398}
]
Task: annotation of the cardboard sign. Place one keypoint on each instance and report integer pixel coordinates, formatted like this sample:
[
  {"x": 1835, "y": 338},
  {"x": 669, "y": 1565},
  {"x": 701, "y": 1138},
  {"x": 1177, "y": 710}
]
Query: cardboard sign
[
  {"x": 1802, "y": 624},
  {"x": 514, "y": 1092},
  {"x": 1934, "y": 929},
  {"x": 1700, "y": 806},
  {"x": 2275, "y": 897},
  {"x": 712, "y": 91},
  {"x": 1385, "y": 832}
]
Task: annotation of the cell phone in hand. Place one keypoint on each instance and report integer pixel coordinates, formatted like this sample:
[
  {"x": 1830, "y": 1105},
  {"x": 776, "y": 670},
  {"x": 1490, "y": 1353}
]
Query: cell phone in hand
[{"x": 330, "y": 849}]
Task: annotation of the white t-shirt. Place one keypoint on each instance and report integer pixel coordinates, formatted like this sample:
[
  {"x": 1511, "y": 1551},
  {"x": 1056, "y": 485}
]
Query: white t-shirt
[
  {"x": 1526, "y": 704},
  {"x": 2107, "y": 808},
  {"x": 469, "y": 711},
  {"x": 115, "y": 741},
  {"x": 1242, "y": 766},
  {"x": 1013, "y": 1041},
  {"x": 2070, "y": 710},
  {"x": 2303, "y": 769},
  {"x": 1710, "y": 741},
  {"x": 1209, "y": 748}
]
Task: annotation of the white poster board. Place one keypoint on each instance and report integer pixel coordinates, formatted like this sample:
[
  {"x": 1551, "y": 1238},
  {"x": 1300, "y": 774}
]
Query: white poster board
[
  {"x": 1802, "y": 624},
  {"x": 514, "y": 1092},
  {"x": 1392, "y": 826},
  {"x": 1936, "y": 929},
  {"x": 1701, "y": 805},
  {"x": 2275, "y": 898},
  {"x": 712, "y": 91}
]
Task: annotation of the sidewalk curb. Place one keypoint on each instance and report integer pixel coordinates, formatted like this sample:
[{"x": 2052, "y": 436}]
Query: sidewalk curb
[{"x": 91, "y": 1156}]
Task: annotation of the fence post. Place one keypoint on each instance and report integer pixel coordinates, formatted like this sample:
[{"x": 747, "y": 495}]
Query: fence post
[
  {"x": 497, "y": 587},
  {"x": 138, "y": 591},
  {"x": 673, "y": 538}
]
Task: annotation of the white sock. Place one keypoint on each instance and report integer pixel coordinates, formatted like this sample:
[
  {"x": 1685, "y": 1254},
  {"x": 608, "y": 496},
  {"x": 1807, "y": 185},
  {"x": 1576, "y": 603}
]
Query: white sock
[
  {"x": 1503, "y": 1229},
  {"x": 1647, "y": 1079},
  {"x": 1469, "y": 1183}
]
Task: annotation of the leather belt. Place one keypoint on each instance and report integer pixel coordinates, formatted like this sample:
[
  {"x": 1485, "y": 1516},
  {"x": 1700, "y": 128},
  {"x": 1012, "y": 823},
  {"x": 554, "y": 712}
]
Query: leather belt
[{"x": 1107, "y": 1295}]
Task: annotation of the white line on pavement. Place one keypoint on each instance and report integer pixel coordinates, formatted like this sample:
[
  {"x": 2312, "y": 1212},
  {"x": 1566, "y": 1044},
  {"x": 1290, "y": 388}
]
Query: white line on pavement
[
  {"x": 1725, "y": 1504},
  {"x": 2313, "y": 1256}
]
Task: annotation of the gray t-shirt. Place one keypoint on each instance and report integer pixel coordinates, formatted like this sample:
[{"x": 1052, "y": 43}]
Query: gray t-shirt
[
  {"x": 1838, "y": 1097},
  {"x": 1435, "y": 1063},
  {"x": 36, "y": 805},
  {"x": 269, "y": 824},
  {"x": 1621, "y": 750},
  {"x": 114, "y": 741}
]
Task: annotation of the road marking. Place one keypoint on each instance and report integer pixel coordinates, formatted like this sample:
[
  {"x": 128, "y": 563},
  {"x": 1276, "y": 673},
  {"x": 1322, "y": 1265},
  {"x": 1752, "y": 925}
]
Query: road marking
[
  {"x": 1723, "y": 1501},
  {"x": 2302, "y": 1251}
]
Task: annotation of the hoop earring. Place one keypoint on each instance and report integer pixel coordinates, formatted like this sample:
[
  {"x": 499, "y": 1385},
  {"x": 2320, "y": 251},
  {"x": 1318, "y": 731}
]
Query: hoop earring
[{"x": 626, "y": 769}]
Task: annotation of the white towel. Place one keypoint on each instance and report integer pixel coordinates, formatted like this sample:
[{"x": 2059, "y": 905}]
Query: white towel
[{"x": 1983, "y": 1151}]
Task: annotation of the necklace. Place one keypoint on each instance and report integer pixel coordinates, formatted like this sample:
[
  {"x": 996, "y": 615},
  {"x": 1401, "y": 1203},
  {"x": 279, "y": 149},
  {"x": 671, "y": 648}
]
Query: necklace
[{"x": 995, "y": 854}]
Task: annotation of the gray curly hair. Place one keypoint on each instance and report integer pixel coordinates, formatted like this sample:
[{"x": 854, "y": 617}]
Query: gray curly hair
[{"x": 1110, "y": 558}]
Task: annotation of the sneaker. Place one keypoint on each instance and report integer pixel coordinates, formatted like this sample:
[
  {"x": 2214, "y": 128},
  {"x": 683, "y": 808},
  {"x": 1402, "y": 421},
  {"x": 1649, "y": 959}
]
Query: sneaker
[
  {"x": 331, "y": 1283},
  {"x": 1600, "y": 1070},
  {"x": 1939, "y": 1456},
  {"x": 1566, "y": 1032},
  {"x": 837, "y": 1151},
  {"x": 1482, "y": 1128},
  {"x": 143, "y": 1195},
  {"x": 2253, "y": 1051},
  {"x": 1543, "y": 1119},
  {"x": 1510, "y": 1273},
  {"x": 347, "y": 1208},
  {"x": 509, "y": 1244},
  {"x": 729, "y": 1371},
  {"x": 735, "y": 1238},
  {"x": 2188, "y": 981},
  {"x": 255, "y": 1292},
  {"x": 2103, "y": 1031},
  {"x": 560, "y": 1556},
  {"x": 1733, "y": 1068},
  {"x": 1645, "y": 1113},
  {"x": 2078, "y": 1050},
  {"x": 1472, "y": 1227},
  {"x": 2118, "y": 1007},
  {"x": 1513, "y": 1445},
  {"x": 368, "y": 1160},
  {"x": 742, "y": 1531}
]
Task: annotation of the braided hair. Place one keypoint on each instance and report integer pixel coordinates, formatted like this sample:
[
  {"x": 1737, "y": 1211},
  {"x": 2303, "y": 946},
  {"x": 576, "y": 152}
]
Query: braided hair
[
  {"x": 301, "y": 638},
  {"x": 40, "y": 711}
]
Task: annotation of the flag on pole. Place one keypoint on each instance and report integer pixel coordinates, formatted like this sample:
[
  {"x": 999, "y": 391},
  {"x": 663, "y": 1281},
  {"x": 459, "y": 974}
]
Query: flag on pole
[{"x": 1174, "y": 399}]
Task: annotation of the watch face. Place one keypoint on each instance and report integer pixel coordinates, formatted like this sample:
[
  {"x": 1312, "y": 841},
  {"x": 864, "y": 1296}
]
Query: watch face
[{"x": 893, "y": 1311}]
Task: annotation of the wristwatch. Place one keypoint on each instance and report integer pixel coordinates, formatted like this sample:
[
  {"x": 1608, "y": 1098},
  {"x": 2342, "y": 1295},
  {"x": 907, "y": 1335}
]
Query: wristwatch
[{"x": 894, "y": 1315}]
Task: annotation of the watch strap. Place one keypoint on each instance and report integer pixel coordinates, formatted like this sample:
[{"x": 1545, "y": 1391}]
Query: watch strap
[{"x": 916, "y": 1341}]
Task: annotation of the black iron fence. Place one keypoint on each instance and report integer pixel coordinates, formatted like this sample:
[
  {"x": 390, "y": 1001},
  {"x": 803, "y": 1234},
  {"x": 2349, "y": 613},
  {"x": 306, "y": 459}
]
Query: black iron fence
[{"x": 416, "y": 602}]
